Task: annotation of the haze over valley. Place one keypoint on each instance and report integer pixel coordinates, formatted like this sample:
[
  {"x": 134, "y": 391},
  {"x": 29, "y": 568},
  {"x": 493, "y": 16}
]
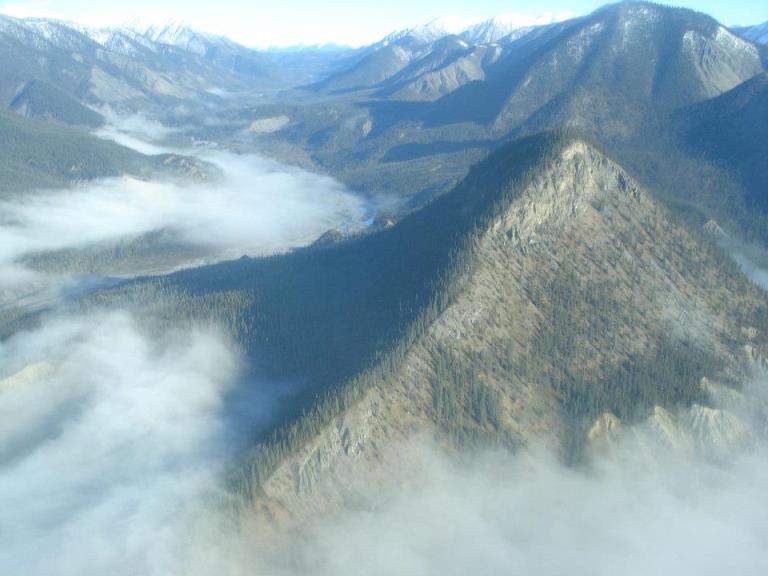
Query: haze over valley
[{"x": 480, "y": 295}]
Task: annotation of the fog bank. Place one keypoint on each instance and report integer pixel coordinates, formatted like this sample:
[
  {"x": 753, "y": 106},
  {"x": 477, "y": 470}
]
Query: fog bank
[
  {"x": 111, "y": 440},
  {"x": 251, "y": 206},
  {"x": 528, "y": 514}
]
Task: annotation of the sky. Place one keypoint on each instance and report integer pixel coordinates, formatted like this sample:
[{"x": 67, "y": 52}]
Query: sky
[{"x": 263, "y": 23}]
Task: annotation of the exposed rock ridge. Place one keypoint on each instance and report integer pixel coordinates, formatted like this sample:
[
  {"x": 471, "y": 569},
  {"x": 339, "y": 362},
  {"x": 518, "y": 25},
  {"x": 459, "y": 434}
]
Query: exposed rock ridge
[{"x": 580, "y": 216}]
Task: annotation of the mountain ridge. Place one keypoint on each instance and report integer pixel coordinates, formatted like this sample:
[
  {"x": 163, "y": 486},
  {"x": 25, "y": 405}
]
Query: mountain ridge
[
  {"x": 458, "y": 379},
  {"x": 546, "y": 251},
  {"x": 420, "y": 122}
]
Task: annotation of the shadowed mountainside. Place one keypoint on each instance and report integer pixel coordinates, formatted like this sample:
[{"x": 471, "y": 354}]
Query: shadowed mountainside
[{"x": 40, "y": 154}]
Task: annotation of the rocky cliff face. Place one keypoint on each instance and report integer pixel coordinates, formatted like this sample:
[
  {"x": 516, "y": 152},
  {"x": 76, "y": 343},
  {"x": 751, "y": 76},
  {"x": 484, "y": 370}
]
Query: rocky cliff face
[
  {"x": 580, "y": 276},
  {"x": 697, "y": 432}
]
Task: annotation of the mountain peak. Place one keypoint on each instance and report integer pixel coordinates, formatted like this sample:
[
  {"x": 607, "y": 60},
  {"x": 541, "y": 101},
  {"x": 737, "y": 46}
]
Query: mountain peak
[
  {"x": 476, "y": 31},
  {"x": 181, "y": 34},
  {"x": 165, "y": 30},
  {"x": 493, "y": 30},
  {"x": 510, "y": 24},
  {"x": 546, "y": 232},
  {"x": 438, "y": 28}
]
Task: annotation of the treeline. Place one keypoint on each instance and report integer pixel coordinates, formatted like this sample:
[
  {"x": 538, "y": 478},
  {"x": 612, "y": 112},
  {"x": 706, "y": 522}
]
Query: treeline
[
  {"x": 156, "y": 250},
  {"x": 468, "y": 410},
  {"x": 459, "y": 394},
  {"x": 39, "y": 154}
]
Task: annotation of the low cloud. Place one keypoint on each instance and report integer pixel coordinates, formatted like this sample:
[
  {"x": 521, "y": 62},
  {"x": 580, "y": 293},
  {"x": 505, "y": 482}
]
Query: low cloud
[
  {"x": 257, "y": 207},
  {"x": 751, "y": 258},
  {"x": 116, "y": 437},
  {"x": 528, "y": 514},
  {"x": 111, "y": 439},
  {"x": 748, "y": 262},
  {"x": 113, "y": 436}
]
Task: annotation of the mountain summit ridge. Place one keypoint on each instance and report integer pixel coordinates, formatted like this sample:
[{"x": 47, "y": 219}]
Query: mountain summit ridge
[
  {"x": 522, "y": 305},
  {"x": 518, "y": 354}
]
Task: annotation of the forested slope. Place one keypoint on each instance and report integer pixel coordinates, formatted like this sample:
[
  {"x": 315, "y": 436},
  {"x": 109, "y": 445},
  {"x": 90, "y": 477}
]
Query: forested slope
[{"x": 545, "y": 290}]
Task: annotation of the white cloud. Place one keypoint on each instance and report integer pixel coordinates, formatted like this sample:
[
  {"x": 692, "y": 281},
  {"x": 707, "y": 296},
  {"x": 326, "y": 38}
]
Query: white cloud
[
  {"x": 257, "y": 206},
  {"x": 528, "y": 514},
  {"x": 111, "y": 439},
  {"x": 114, "y": 439},
  {"x": 757, "y": 274}
]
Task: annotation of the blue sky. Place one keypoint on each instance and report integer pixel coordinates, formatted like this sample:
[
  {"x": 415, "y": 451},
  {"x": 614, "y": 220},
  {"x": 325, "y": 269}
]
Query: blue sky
[{"x": 355, "y": 22}]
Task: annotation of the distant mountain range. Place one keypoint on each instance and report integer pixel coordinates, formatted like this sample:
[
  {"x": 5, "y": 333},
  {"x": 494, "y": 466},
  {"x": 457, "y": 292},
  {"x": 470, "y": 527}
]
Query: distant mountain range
[
  {"x": 118, "y": 67},
  {"x": 417, "y": 115},
  {"x": 389, "y": 112},
  {"x": 498, "y": 29},
  {"x": 427, "y": 63},
  {"x": 173, "y": 60},
  {"x": 757, "y": 33}
]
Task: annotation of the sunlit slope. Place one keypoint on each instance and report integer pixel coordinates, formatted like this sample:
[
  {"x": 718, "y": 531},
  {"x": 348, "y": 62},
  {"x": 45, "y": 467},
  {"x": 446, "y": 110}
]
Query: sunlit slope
[{"x": 579, "y": 296}]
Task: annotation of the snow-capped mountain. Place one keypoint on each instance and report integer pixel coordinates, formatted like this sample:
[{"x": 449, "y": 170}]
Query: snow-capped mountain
[
  {"x": 422, "y": 34},
  {"x": 175, "y": 33},
  {"x": 121, "y": 39},
  {"x": 438, "y": 28},
  {"x": 508, "y": 27},
  {"x": 121, "y": 66},
  {"x": 428, "y": 61},
  {"x": 41, "y": 33},
  {"x": 419, "y": 65},
  {"x": 493, "y": 31},
  {"x": 757, "y": 33},
  {"x": 182, "y": 35}
]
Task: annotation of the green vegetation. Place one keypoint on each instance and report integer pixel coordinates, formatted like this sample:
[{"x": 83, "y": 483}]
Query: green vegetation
[
  {"x": 465, "y": 407},
  {"x": 341, "y": 318},
  {"x": 728, "y": 136},
  {"x": 155, "y": 252},
  {"x": 39, "y": 154},
  {"x": 669, "y": 374},
  {"x": 42, "y": 100}
]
